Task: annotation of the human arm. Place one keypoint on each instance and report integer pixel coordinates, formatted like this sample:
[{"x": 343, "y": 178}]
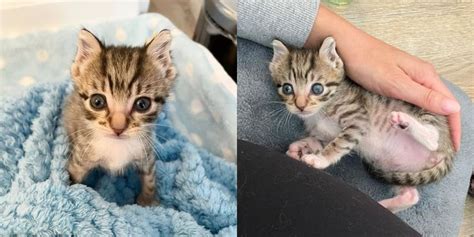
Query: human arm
[{"x": 288, "y": 21}]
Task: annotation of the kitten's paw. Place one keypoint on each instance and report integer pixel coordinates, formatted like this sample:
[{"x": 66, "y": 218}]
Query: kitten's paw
[
  {"x": 297, "y": 149},
  {"x": 146, "y": 201},
  {"x": 302, "y": 147},
  {"x": 315, "y": 160},
  {"x": 399, "y": 120}
]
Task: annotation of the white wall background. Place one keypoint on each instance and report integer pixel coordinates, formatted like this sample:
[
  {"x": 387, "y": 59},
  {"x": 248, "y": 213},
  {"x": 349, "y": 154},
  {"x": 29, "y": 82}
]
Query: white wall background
[{"x": 21, "y": 16}]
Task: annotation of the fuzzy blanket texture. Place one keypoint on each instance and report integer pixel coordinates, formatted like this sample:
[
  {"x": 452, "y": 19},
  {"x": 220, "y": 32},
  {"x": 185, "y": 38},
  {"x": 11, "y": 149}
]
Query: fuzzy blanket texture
[
  {"x": 202, "y": 104},
  {"x": 197, "y": 190},
  {"x": 440, "y": 210}
]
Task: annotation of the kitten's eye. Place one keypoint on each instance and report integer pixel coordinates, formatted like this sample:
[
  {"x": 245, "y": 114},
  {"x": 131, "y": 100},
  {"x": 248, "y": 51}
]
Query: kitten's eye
[
  {"x": 98, "y": 101},
  {"x": 142, "y": 104},
  {"x": 317, "y": 88},
  {"x": 287, "y": 89}
]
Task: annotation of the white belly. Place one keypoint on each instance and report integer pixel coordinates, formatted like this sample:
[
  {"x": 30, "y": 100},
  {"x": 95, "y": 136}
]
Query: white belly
[
  {"x": 389, "y": 151},
  {"x": 397, "y": 151}
]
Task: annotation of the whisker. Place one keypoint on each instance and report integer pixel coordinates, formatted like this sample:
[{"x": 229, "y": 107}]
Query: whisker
[
  {"x": 88, "y": 146},
  {"x": 150, "y": 143}
]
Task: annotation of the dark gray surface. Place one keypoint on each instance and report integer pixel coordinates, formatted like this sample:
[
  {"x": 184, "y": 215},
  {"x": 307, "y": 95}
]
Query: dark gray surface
[{"x": 440, "y": 210}]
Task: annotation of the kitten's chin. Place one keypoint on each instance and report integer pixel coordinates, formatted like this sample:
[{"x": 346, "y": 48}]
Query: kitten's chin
[
  {"x": 114, "y": 136},
  {"x": 305, "y": 114}
]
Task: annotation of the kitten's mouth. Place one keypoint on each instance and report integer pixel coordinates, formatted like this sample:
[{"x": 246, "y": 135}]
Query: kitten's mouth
[{"x": 119, "y": 137}]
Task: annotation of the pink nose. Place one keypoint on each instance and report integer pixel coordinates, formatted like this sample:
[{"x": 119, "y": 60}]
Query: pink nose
[
  {"x": 118, "y": 123},
  {"x": 301, "y": 102},
  {"x": 301, "y": 108},
  {"x": 118, "y": 131}
]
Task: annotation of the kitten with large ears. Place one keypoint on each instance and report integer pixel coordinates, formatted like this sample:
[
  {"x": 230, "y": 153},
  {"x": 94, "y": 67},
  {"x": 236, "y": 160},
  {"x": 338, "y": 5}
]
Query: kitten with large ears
[
  {"x": 401, "y": 143},
  {"x": 109, "y": 117}
]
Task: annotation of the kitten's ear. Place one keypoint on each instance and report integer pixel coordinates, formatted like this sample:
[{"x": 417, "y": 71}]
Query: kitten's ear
[
  {"x": 279, "y": 50},
  {"x": 328, "y": 53},
  {"x": 159, "y": 50},
  {"x": 88, "y": 46}
]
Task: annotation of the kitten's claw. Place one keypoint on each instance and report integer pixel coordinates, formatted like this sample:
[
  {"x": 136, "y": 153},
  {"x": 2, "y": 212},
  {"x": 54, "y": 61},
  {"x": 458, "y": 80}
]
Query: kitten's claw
[
  {"x": 399, "y": 120},
  {"x": 316, "y": 161}
]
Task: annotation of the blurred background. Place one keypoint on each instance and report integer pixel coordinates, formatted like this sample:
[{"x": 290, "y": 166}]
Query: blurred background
[{"x": 209, "y": 22}]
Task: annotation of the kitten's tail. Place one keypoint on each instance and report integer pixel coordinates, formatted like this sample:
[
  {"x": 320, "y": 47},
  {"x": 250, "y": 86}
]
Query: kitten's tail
[{"x": 430, "y": 175}]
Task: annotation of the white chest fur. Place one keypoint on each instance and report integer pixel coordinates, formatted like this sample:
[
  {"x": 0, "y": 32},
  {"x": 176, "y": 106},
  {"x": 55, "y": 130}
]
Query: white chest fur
[
  {"x": 322, "y": 127},
  {"x": 115, "y": 154}
]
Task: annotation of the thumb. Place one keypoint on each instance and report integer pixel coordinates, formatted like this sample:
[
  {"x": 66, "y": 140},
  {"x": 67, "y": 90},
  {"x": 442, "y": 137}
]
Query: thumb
[{"x": 428, "y": 98}]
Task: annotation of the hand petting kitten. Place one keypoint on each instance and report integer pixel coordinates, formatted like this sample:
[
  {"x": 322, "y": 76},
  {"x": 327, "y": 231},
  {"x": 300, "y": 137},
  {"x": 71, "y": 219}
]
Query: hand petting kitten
[
  {"x": 401, "y": 143},
  {"x": 387, "y": 70}
]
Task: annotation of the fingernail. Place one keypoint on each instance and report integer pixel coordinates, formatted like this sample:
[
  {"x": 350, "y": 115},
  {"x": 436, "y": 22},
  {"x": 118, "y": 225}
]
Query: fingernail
[{"x": 450, "y": 106}]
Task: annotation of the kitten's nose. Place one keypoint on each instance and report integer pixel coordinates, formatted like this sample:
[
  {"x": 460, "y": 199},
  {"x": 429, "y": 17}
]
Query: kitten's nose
[
  {"x": 301, "y": 108},
  {"x": 118, "y": 131},
  {"x": 300, "y": 103},
  {"x": 118, "y": 123}
]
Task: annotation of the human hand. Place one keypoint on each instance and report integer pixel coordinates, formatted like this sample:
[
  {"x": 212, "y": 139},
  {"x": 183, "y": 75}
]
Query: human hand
[
  {"x": 386, "y": 70},
  {"x": 391, "y": 72}
]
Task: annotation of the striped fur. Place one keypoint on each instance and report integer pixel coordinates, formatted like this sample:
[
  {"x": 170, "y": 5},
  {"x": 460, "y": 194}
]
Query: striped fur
[
  {"x": 345, "y": 118},
  {"x": 122, "y": 75}
]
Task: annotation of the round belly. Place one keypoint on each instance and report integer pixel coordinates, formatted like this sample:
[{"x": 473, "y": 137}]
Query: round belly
[{"x": 396, "y": 152}]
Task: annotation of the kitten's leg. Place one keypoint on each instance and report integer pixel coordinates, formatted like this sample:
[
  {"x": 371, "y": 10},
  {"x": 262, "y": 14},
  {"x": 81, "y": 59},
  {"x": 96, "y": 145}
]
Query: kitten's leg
[
  {"x": 147, "y": 178},
  {"x": 355, "y": 126},
  {"x": 425, "y": 134},
  {"x": 405, "y": 197},
  {"x": 304, "y": 146},
  {"x": 77, "y": 170}
]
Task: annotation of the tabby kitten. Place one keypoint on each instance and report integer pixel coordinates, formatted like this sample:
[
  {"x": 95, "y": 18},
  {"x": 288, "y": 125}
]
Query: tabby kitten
[
  {"x": 401, "y": 143},
  {"x": 118, "y": 93}
]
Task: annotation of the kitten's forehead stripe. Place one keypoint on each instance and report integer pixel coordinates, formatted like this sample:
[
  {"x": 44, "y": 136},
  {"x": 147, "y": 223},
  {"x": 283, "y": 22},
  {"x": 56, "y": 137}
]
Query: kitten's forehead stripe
[
  {"x": 138, "y": 69},
  {"x": 290, "y": 62},
  {"x": 333, "y": 83},
  {"x": 311, "y": 65},
  {"x": 111, "y": 84},
  {"x": 103, "y": 59},
  {"x": 139, "y": 89}
]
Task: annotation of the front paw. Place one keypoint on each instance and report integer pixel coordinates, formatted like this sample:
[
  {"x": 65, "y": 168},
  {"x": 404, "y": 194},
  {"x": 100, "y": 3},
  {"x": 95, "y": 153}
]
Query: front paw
[
  {"x": 316, "y": 160},
  {"x": 147, "y": 201},
  {"x": 298, "y": 149}
]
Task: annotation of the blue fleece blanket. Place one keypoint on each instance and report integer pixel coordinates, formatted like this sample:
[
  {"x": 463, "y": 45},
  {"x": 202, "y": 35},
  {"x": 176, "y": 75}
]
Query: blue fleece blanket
[
  {"x": 197, "y": 190},
  {"x": 202, "y": 104}
]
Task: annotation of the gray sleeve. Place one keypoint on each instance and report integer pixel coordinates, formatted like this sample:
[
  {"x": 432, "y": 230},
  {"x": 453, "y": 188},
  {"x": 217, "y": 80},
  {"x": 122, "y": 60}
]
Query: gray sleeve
[{"x": 265, "y": 20}]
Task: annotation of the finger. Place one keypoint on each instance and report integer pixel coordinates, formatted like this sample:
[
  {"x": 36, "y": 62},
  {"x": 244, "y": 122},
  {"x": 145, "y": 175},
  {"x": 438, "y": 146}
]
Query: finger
[
  {"x": 431, "y": 80},
  {"x": 426, "y": 98},
  {"x": 454, "y": 121}
]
